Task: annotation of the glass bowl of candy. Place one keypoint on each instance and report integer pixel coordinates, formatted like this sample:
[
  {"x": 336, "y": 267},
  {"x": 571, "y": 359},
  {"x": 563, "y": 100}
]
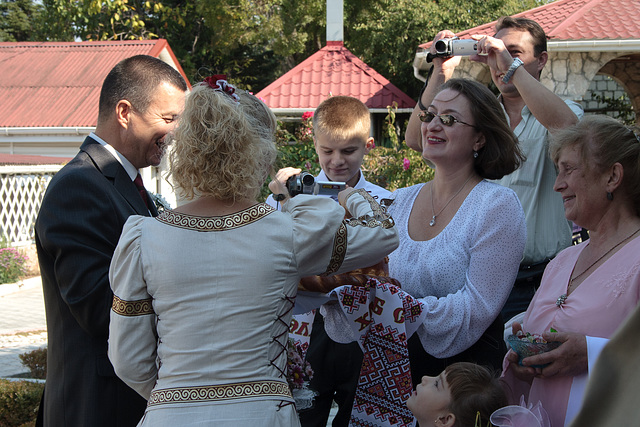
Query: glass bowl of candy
[{"x": 526, "y": 344}]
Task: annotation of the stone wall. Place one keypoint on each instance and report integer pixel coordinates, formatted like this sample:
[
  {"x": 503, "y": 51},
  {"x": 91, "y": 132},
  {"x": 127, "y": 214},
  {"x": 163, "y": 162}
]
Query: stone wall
[
  {"x": 576, "y": 75},
  {"x": 606, "y": 87}
]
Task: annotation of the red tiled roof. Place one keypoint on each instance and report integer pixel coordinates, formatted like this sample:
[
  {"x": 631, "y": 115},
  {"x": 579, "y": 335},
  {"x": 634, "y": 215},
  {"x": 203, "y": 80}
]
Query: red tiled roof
[
  {"x": 57, "y": 84},
  {"x": 578, "y": 20},
  {"x": 333, "y": 70},
  {"x": 22, "y": 159}
]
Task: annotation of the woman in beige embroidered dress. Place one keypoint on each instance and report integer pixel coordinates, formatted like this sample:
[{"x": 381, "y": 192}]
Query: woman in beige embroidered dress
[{"x": 203, "y": 294}]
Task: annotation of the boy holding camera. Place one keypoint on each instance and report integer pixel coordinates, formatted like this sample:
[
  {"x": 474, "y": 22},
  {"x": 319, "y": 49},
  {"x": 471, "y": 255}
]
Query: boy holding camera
[{"x": 341, "y": 126}]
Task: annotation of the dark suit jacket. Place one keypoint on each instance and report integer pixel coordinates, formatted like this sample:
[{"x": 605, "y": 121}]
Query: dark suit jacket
[{"x": 82, "y": 214}]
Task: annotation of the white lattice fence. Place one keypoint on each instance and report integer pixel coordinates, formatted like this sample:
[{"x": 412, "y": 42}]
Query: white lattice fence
[{"x": 21, "y": 192}]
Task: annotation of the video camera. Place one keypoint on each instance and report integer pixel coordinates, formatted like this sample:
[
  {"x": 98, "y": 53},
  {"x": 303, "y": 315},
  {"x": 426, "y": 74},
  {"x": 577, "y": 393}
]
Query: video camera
[
  {"x": 305, "y": 183},
  {"x": 453, "y": 47}
]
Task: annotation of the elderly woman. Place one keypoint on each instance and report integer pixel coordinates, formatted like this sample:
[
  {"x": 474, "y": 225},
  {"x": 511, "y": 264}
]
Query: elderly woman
[
  {"x": 588, "y": 289},
  {"x": 461, "y": 236},
  {"x": 203, "y": 294}
]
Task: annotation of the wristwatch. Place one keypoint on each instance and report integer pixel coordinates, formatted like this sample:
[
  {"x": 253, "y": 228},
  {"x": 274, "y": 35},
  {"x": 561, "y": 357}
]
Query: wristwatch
[{"x": 512, "y": 69}]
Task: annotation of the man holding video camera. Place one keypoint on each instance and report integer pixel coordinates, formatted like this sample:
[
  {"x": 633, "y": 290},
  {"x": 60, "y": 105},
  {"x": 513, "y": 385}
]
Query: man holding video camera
[{"x": 516, "y": 56}]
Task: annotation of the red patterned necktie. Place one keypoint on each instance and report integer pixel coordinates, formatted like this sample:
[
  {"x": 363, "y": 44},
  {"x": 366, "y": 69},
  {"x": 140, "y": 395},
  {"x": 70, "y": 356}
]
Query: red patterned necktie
[{"x": 141, "y": 190}]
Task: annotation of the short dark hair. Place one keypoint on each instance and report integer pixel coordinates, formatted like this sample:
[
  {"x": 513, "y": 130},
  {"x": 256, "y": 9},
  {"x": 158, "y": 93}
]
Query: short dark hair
[
  {"x": 501, "y": 152},
  {"x": 474, "y": 390},
  {"x": 529, "y": 25},
  {"x": 136, "y": 79}
]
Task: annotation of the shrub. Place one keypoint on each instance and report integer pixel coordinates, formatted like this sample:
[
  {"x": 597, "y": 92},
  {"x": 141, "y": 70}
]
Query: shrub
[
  {"x": 295, "y": 148},
  {"x": 12, "y": 263},
  {"x": 19, "y": 402},
  {"x": 397, "y": 166},
  {"x": 36, "y": 361}
]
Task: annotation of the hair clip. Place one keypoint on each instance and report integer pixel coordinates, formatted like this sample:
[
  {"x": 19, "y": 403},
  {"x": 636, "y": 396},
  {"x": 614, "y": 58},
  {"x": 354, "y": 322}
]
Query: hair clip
[{"x": 218, "y": 82}]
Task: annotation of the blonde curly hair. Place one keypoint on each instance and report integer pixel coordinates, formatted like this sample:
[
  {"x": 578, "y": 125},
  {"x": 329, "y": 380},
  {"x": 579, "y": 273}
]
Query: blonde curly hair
[{"x": 222, "y": 148}]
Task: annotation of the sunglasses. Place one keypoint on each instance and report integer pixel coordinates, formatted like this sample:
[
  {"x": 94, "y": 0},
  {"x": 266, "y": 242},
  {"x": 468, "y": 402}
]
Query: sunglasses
[{"x": 445, "y": 119}]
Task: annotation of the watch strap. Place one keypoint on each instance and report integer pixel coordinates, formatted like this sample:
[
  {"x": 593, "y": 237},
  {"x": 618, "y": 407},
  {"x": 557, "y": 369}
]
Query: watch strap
[{"x": 517, "y": 62}]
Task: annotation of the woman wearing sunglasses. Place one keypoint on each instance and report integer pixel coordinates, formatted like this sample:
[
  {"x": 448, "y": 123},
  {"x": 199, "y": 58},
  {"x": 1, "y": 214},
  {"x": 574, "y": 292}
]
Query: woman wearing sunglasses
[{"x": 461, "y": 236}]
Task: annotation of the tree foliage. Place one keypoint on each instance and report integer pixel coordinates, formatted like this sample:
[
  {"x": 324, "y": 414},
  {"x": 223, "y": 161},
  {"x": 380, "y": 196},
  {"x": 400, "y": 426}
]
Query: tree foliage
[
  {"x": 16, "y": 20},
  {"x": 386, "y": 33},
  {"x": 256, "y": 41}
]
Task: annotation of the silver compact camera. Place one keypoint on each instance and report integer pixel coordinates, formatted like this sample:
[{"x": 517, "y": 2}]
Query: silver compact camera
[
  {"x": 305, "y": 183},
  {"x": 453, "y": 47}
]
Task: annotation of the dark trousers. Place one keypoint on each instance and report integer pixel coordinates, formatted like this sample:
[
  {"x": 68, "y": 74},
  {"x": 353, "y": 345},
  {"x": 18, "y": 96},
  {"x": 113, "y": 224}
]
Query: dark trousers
[
  {"x": 488, "y": 351},
  {"x": 526, "y": 284},
  {"x": 336, "y": 370}
]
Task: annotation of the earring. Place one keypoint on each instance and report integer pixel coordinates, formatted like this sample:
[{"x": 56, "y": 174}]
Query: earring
[
  {"x": 609, "y": 196},
  {"x": 475, "y": 154}
]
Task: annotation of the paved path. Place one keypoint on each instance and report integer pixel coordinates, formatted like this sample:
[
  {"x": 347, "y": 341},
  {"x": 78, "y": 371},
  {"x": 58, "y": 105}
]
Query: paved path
[{"x": 23, "y": 326}]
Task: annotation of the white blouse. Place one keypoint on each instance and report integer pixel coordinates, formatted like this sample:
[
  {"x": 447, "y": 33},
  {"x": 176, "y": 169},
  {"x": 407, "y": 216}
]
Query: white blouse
[{"x": 464, "y": 274}]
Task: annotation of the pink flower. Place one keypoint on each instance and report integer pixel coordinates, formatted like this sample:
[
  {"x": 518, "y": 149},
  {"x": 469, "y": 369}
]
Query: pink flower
[
  {"x": 297, "y": 367},
  {"x": 307, "y": 115},
  {"x": 406, "y": 163}
]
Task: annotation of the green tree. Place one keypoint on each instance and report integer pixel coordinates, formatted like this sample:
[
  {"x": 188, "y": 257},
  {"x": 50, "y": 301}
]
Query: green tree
[
  {"x": 256, "y": 41},
  {"x": 209, "y": 36},
  {"x": 67, "y": 20},
  {"x": 19, "y": 20},
  {"x": 386, "y": 33}
]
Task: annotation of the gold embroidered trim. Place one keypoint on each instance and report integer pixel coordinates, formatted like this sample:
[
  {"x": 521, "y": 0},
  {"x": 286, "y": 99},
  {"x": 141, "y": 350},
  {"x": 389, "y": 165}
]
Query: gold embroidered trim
[
  {"x": 220, "y": 392},
  {"x": 132, "y": 308},
  {"x": 380, "y": 216},
  {"x": 216, "y": 223},
  {"x": 339, "y": 250}
]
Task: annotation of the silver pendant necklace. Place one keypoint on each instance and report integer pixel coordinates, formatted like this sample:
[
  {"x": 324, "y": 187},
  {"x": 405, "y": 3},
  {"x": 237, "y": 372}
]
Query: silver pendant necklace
[
  {"x": 563, "y": 298},
  {"x": 433, "y": 212}
]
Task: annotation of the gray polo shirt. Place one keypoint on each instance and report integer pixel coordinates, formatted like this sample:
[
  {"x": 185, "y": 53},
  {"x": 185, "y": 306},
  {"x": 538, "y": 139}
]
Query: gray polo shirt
[{"x": 548, "y": 231}]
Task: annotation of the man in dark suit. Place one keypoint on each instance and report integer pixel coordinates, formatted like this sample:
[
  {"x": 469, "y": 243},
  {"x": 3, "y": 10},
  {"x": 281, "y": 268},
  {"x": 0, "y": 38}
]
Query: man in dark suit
[{"x": 77, "y": 229}]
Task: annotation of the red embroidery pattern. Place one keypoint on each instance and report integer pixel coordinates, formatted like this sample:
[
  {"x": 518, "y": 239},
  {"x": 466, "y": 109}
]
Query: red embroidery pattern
[
  {"x": 382, "y": 317},
  {"x": 352, "y": 297},
  {"x": 385, "y": 378}
]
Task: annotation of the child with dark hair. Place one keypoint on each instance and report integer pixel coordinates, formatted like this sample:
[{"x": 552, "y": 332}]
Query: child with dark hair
[{"x": 457, "y": 397}]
